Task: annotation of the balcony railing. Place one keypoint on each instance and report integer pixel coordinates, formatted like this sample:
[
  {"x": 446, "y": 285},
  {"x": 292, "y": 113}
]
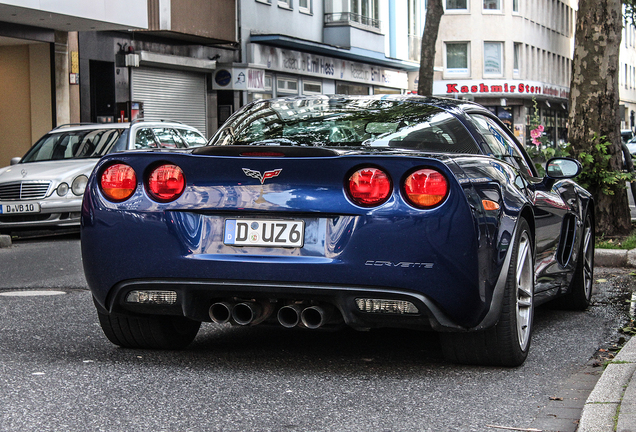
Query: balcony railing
[{"x": 348, "y": 18}]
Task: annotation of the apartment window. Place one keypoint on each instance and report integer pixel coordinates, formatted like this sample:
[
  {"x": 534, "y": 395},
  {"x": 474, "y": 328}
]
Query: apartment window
[
  {"x": 457, "y": 58},
  {"x": 515, "y": 5},
  {"x": 287, "y": 85},
  {"x": 456, "y": 4},
  {"x": 285, "y": 4},
  {"x": 517, "y": 59},
  {"x": 493, "y": 58},
  {"x": 365, "y": 13},
  {"x": 304, "y": 6},
  {"x": 492, "y": 4}
]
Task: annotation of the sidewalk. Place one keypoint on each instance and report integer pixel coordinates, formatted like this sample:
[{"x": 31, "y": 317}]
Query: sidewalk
[{"x": 611, "y": 406}]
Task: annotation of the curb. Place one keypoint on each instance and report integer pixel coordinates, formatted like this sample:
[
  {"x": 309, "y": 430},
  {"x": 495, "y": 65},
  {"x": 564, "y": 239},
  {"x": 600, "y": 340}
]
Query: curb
[
  {"x": 5, "y": 241},
  {"x": 611, "y": 404},
  {"x": 615, "y": 258}
]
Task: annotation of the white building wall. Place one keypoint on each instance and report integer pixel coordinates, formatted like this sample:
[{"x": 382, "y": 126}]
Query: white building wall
[
  {"x": 81, "y": 14},
  {"x": 401, "y": 30},
  {"x": 627, "y": 75}
]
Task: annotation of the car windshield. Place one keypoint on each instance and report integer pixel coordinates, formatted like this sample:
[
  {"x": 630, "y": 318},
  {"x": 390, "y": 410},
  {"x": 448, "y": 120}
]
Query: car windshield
[
  {"x": 79, "y": 144},
  {"x": 347, "y": 122}
]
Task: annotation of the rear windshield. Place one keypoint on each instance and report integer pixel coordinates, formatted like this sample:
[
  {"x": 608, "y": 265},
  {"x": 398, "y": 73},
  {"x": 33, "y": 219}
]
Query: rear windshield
[
  {"x": 58, "y": 145},
  {"x": 348, "y": 122}
]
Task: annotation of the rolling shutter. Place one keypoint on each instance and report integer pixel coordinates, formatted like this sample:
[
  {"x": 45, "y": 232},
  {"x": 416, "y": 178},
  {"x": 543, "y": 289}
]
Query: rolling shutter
[{"x": 171, "y": 95}]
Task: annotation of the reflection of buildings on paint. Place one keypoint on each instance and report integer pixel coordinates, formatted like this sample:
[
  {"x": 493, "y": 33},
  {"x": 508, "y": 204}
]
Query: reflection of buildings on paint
[
  {"x": 507, "y": 54},
  {"x": 319, "y": 47},
  {"x": 627, "y": 77}
]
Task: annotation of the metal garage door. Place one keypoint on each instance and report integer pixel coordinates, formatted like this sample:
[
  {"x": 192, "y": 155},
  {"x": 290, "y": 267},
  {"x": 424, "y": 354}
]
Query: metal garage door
[{"x": 171, "y": 95}]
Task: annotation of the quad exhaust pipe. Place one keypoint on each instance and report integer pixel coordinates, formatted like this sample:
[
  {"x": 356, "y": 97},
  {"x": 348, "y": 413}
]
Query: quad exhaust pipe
[
  {"x": 311, "y": 317},
  {"x": 289, "y": 316},
  {"x": 221, "y": 312},
  {"x": 244, "y": 313},
  {"x": 315, "y": 317}
]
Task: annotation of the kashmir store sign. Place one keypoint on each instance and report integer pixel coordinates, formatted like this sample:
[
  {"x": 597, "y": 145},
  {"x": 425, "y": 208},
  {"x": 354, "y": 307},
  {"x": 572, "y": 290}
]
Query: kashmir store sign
[{"x": 499, "y": 88}]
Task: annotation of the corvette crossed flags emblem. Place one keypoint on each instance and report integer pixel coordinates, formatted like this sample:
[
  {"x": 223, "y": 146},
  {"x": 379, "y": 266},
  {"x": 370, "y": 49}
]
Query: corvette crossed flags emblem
[{"x": 262, "y": 177}]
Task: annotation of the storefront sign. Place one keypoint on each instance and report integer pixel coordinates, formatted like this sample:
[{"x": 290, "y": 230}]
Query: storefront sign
[
  {"x": 499, "y": 88},
  {"x": 295, "y": 62},
  {"x": 239, "y": 79}
]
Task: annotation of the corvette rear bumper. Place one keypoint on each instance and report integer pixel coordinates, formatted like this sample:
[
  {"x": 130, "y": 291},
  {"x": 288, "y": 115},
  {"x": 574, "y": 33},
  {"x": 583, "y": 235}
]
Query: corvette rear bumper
[{"x": 195, "y": 297}]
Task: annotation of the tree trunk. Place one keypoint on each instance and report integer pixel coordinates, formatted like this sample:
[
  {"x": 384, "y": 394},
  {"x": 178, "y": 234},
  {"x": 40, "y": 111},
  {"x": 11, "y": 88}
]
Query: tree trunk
[
  {"x": 434, "y": 13},
  {"x": 594, "y": 102}
]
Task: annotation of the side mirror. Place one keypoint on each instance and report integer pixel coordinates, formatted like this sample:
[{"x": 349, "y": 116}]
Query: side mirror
[
  {"x": 562, "y": 168},
  {"x": 15, "y": 160}
]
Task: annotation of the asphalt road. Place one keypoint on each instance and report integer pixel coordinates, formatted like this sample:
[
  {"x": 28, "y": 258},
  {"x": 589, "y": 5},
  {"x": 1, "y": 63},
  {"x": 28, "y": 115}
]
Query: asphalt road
[{"x": 59, "y": 373}]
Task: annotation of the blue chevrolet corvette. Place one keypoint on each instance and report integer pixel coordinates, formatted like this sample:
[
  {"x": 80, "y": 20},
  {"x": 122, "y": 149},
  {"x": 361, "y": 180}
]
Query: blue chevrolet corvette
[{"x": 325, "y": 211}]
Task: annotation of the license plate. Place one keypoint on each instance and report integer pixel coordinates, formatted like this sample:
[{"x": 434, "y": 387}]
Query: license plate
[
  {"x": 269, "y": 233},
  {"x": 20, "y": 208}
]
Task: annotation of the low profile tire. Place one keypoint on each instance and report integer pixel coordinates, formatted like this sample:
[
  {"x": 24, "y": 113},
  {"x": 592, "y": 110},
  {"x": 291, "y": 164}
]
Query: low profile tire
[
  {"x": 507, "y": 343},
  {"x": 149, "y": 332},
  {"x": 579, "y": 295}
]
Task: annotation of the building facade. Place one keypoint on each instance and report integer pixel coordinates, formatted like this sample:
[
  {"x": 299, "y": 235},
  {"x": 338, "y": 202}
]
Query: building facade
[
  {"x": 198, "y": 62},
  {"x": 627, "y": 78},
  {"x": 299, "y": 47},
  {"x": 39, "y": 62},
  {"x": 512, "y": 56}
]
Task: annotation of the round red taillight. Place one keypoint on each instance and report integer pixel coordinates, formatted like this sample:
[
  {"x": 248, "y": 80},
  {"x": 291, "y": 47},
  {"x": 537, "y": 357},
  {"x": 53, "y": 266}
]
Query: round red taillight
[
  {"x": 426, "y": 188},
  {"x": 118, "y": 182},
  {"x": 166, "y": 183},
  {"x": 369, "y": 187}
]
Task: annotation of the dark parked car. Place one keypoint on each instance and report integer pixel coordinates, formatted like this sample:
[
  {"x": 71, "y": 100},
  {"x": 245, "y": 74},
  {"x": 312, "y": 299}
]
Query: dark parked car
[{"x": 314, "y": 212}]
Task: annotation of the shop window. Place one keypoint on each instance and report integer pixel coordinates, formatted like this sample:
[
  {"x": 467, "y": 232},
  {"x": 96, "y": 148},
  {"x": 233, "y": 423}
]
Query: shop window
[
  {"x": 312, "y": 87},
  {"x": 287, "y": 85},
  {"x": 386, "y": 90},
  {"x": 267, "y": 83},
  {"x": 351, "y": 89},
  {"x": 457, "y": 58},
  {"x": 493, "y": 58}
]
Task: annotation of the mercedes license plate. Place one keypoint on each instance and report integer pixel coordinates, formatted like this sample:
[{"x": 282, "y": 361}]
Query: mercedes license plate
[
  {"x": 269, "y": 233},
  {"x": 20, "y": 208}
]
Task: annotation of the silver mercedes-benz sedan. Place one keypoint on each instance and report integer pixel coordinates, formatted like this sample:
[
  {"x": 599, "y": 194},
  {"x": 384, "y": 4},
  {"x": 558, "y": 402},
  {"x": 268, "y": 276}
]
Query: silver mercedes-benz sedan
[{"x": 44, "y": 188}]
